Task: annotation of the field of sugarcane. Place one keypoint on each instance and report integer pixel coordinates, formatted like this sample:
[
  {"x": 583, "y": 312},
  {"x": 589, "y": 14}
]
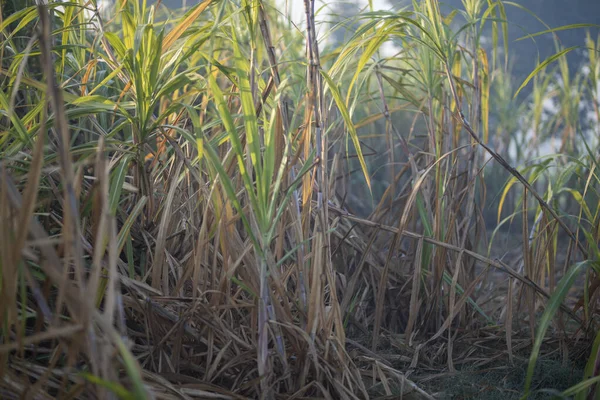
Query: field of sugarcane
[{"x": 216, "y": 203}]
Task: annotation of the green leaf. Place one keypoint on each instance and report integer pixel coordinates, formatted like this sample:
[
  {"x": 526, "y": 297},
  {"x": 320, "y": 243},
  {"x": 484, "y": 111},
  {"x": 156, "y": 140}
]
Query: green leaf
[
  {"x": 581, "y": 387},
  {"x": 339, "y": 101},
  {"x": 552, "y": 307},
  {"x": 250, "y": 123},
  {"x": 558, "y": 29},
  {"x": 20, "y": 128},
  {"x": 133, "y": 370},
  {"x": 543, "y": 65},
  {"x": 116, "y": 185},
  {"x": 590, "y": 366},
  {"x": 124, "y": 232},
  {"x": 235, "y": 141},
  {"x": 114, "y": 387}
]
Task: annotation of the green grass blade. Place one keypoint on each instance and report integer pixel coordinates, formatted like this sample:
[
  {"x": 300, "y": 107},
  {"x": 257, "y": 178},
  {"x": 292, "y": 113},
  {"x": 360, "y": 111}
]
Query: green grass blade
[
  {"x": 116, "y": 186},
  {"x": 552, "y": 307},
  {"x": 339, "y": 101},
  {"x": 543, "y": 65}
]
